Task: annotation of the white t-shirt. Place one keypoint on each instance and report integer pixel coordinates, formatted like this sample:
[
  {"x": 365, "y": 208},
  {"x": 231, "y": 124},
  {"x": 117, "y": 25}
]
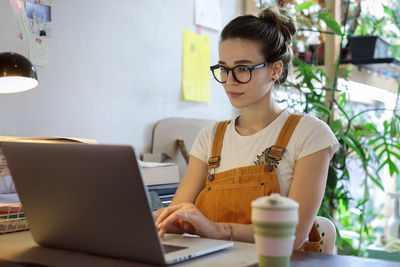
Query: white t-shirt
[{"x": 310, "y": 135}]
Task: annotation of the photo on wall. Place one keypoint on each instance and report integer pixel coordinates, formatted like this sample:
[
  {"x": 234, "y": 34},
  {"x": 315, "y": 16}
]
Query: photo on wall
[{"x": 39, "y": 17}]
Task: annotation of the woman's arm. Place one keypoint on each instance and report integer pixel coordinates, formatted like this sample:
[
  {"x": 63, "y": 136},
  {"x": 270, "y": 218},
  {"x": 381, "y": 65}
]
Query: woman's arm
[
  {"x": 191, "y": 184},
  {"x": 182, "y": 216},
  {"x": 307, "y": 188},
  {"x": 187, "y": 192}
]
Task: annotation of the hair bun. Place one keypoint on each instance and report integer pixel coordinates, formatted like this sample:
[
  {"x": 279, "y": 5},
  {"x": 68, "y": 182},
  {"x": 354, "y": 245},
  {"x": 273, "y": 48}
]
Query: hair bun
[{"x": 282, "y": 19}]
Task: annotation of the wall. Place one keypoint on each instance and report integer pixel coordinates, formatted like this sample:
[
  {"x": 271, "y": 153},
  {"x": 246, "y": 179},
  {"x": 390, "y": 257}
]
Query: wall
[{"x": 114, "y": 71}]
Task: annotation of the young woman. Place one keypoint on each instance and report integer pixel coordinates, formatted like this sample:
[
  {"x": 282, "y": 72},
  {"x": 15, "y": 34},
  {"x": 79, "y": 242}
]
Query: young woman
[{"x": 264, "y": 150}]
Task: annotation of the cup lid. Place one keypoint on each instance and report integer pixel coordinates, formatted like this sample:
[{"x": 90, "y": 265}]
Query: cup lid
[{"x": 275, "y": 201}]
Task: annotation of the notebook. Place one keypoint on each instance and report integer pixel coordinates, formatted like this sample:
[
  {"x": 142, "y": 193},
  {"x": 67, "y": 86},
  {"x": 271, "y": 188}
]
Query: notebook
[{"x": 91, "y": 198}]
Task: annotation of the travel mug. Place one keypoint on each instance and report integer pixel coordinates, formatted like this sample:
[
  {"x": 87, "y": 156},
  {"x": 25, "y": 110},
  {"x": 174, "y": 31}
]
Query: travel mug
[{"x": 274, "y": 219}]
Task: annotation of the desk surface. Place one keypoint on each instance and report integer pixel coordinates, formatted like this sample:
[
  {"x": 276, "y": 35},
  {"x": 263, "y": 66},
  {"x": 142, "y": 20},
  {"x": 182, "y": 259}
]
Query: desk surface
[{"x": 20, "y": 248}]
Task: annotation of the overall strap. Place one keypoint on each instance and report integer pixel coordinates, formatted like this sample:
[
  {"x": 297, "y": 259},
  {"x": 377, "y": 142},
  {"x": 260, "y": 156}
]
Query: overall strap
[
  {"x": 213, "y": 161},
  {"x": 286, "y": 132},
  {"x": 275, "y": 152}
]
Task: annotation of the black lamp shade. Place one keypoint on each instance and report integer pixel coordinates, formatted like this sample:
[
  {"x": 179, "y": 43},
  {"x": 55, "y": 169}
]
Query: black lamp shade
[{"x": 17, "y": 73}]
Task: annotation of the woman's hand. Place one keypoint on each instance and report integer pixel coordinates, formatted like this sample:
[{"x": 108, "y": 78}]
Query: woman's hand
[{"x": 187, "y": 219}]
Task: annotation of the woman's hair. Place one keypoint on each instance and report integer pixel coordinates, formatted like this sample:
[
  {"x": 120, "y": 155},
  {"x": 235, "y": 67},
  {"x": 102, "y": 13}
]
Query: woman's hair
[{"x": 273, "y": 29}]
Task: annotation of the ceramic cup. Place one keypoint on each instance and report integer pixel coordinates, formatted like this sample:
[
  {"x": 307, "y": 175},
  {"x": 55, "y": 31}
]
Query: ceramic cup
[{"x": 274, "y": 219}]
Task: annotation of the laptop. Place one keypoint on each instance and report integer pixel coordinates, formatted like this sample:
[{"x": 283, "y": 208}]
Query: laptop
[{"x": 92, "y": 198}]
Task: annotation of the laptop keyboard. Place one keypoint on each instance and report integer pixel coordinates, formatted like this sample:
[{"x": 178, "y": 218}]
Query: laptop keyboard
[{"x": 171, "y": 248}]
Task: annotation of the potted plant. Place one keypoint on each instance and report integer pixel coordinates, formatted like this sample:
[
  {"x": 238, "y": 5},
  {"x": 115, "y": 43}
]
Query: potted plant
[
  {"x": 369, "y": 31},
  {"x": 367, "y": 47}
]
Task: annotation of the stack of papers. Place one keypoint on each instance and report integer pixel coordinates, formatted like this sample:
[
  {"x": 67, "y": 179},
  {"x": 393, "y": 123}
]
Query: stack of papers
[
  {"x": 12, "y": 216},
  {"x": 147, "y": 164},
  {"x": 10, "y": 205},
  {"x": 158, "y": 173}
]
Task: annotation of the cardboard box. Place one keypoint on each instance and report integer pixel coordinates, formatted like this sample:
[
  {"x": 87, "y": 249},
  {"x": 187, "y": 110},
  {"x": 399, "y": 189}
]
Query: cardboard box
[{"x": 161, "y": 174}]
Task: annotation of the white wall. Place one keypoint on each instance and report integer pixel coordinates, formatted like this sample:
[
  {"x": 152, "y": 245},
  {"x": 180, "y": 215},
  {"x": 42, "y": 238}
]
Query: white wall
[{"x": 114, "y": 70}]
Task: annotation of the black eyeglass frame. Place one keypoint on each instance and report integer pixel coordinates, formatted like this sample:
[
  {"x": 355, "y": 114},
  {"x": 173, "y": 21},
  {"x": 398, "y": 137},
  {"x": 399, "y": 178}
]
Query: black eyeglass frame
[{"x": 251, "y": 68}]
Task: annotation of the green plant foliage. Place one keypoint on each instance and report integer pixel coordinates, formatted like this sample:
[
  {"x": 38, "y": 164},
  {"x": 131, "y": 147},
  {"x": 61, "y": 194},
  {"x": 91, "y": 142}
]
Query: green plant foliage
[
  {"x": 330, "y": 22},
  {"x": 373, "y": 146},
  {"x": 303, "y": 6},
  {"x": 370, "y": 25}
]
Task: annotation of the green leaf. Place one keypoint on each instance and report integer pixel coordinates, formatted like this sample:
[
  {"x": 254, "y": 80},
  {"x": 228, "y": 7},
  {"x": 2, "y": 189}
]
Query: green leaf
[
  {"x": 393, "y": 128},
  {"x": 372, "y": 127},
  {"x": 379, "y": 146},
  {"x": 382, "y": 152},
  {"x": 322, "y": 107},
  {"x": 303, "y": 6},
  {"x": 364, "y": 133},
  {"x": 360, "y": 148},
  {"x": 394, "y": 154},
  {"x": 382, "y": 165},
  {"x": 376, "y": 182},
  {"x": 336, "y": 126},
  {"x": 330, "y": 22},
  {"x": 355, "y": 146},
  {"x": 388, "y": 11},
  {"x": 332, "y": 178},
  {"x": 386, "y": 125},
  {"x": 360, "y": 203},
  {"x": 392, "y": 168},
  {"x": 373, "y": 141}
]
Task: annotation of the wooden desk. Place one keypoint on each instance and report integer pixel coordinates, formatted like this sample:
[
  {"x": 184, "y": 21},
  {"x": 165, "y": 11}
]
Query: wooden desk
[{"x": 20, "y": 248}]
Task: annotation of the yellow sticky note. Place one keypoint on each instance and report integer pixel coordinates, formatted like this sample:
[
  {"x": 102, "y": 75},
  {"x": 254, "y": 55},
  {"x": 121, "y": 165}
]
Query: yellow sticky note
[{"x": 196, "y": 67}]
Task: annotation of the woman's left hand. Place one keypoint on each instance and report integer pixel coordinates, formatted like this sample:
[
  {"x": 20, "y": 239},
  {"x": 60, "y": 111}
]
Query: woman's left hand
[{"x": 188, "y": 218}]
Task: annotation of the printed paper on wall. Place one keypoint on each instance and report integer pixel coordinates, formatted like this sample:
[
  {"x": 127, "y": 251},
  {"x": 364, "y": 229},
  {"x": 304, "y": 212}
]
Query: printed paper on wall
[{"x": 195, "y": 69}]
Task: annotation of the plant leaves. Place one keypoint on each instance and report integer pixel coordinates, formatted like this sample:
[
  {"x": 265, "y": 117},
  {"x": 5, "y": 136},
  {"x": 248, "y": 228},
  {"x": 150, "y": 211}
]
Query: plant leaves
[
  {"x": 321, "y": 107},
  {"x": 379, "y": 146},
  {"x": 392, "y": 167},
  {"x": 303, "y": 6},
  {"x": 336, "y": 126},
  {"x": 330, "y": 22},
  {"x": 351, "y": 142},
  {"x": 393, "y": 128},
  {"x": 388, "y": 11},
  {"x": 376, "y": 182},
  {"x": 382, "y": 165},
  {"x": 394, "y": 154},
  {"x": 373, "y": 141},
  {"x": 360, "y": 203}
]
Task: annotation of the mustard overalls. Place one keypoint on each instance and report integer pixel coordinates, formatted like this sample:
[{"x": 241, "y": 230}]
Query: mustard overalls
[{"x": 227, "y": 195}]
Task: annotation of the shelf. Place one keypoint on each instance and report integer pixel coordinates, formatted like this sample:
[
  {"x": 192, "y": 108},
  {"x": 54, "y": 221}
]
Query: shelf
[{"x": 388, "y": 67}]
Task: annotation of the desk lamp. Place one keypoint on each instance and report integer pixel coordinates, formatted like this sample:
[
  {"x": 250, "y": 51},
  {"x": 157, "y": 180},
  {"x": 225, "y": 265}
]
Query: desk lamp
[{"x": 17, "y": 74}]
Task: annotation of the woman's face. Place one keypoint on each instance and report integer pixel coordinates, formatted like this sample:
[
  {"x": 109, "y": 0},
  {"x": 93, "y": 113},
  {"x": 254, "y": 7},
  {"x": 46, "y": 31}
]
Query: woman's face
[{"x": 236, "y": 51}]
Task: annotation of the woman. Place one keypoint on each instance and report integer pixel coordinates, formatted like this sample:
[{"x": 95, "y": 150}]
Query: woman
[{"x": 264, "y": 150}]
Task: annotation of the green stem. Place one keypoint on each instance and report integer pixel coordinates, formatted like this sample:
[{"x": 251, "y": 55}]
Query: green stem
[
  {"x": 363, "y": 208},
  {"x": 371, "y": 109}
]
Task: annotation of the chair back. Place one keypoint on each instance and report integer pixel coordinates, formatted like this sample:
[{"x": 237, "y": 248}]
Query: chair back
[{"x": 327, "y": 231}]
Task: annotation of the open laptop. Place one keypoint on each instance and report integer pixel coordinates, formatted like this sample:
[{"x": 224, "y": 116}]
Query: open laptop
[{"x": 91, "y": 198}]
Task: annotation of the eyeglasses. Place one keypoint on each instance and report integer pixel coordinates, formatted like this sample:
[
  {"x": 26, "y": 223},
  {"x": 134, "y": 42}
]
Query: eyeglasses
[{"x": 241, "y": 73}]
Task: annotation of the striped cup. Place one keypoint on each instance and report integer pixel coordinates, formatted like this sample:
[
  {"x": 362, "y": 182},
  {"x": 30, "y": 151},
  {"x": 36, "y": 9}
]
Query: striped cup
[{"x": 274, "y": 220}]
